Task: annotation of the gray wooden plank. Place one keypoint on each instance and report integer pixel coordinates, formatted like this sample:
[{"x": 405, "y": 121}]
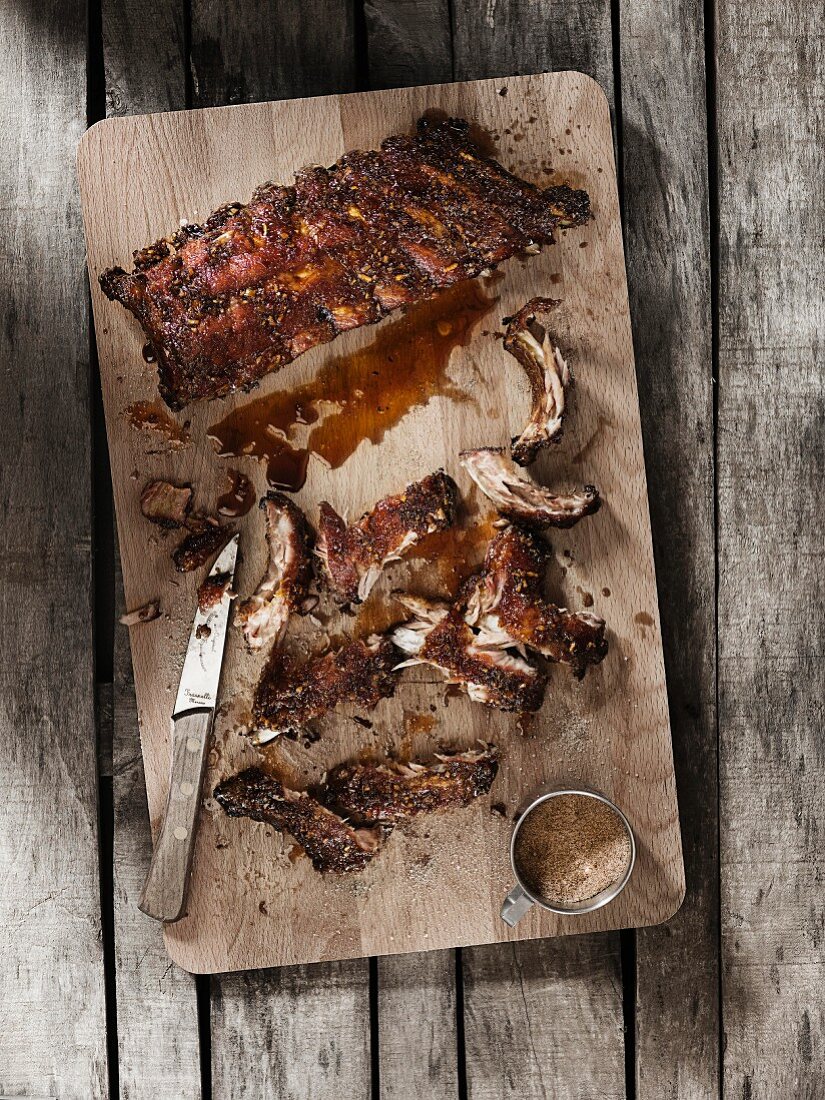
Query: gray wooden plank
[
  {"x": 52, "y": 1008},
  {"x": 544, "y": 1019},
  {"x": 665, "y": 162},
  {"x": 771, "y": 463},
  {"x": 257, "y": 51},
  {"x": 301, "y": 1032},
  {"x": 144, "y": 56},
  {"x": 408, "y": 42},
  {"x": 417, "y": 1042},
  {"x": 512, "y": 37},
  {"x": 157, "y": 1013},
  {"x": 541, "y": 1019},
  {"x": 295, "y": 1033}
]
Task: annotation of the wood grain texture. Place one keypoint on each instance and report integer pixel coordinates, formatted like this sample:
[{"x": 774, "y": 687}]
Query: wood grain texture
[
  {"x": 408, "y": 42},
  {"x": 417, "y": 1043},
  {"x": 610, "y": 731},
  {"x": 554, "y": 1029},
  {"x": 266, "y": 51},
  {"x": 324, "y": 63},
  {"x": 418, "y": 1037},
  {"x": 52, "y": 1011},
  {"x": 771, "y": 464},
  {"x": 501, "y": 38},
  {"x": 144, "y": 56},
  {"x": 296, "y": 1033},
  {"x": 667, "y": 235},
  {"x": 164, "y": 892},
  {"x": 157, "y": 1014}
]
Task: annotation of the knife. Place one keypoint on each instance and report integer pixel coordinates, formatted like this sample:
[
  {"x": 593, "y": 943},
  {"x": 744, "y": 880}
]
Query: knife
[{"x": 164, "y": 894}]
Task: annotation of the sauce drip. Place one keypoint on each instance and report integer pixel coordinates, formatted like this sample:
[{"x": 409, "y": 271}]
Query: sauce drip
[
  {"x": 455, "y": 553},
  {"x": 358, "y": 396},
  {"x": 239, "y": 496},
  {"x": 151, "y": 416}
]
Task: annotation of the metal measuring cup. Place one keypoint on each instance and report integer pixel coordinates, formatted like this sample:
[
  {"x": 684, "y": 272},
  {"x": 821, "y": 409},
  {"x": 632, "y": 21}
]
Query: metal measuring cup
[{"x": 521, "y": 898}]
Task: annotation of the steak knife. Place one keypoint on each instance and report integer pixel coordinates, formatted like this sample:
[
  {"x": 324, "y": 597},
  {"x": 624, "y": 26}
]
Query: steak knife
[{"x": 165, "y": 890}]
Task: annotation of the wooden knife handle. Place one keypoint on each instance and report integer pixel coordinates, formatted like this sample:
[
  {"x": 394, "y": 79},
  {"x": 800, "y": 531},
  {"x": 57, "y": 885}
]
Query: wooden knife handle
[{"x": 164, "y": 893}]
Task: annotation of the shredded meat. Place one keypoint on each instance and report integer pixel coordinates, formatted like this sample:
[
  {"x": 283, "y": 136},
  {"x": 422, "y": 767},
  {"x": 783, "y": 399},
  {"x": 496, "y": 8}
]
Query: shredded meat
[
  {"x": 254, "y": 287},
  {"x": 521, "y": 500},
  {"x": 285, "y": 585},
  {"x": 391, "y": 792},
  {"x": 506, "y": 600},
  {"x": 166, "y": 504},
  {"x": 354, "y": 556},
  {"x": 547, "y": 372},
  {"x": 485, "y": 666},
  {"x": 332, "y": 845},
  {"x": 145, "y": 614},
  {"x": 292, "y": 693}
]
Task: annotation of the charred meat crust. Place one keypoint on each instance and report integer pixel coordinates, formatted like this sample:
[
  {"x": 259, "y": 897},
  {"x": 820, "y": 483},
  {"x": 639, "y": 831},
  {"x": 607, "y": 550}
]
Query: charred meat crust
[
  {"x": 391, "y": 792},
  {"x": 533, "y": 347},
  {"x": 291, "y": 693},
  {"x": 285, "y": 585},
  {"x": 521, "y": 500},
  {"x": 202, "y": 543},
  {"x": 213, "y": 590},
  {"x": 440, "y": 635},
  {"x": 332, "y": 845},
  {"x": 353, "y": 556},
  {"x": 514, "y": 571},
  {"x": 257, "y": 285}
]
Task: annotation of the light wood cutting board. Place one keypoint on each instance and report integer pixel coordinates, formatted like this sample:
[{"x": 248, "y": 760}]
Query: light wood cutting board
[{"x": 440, "y": 881}]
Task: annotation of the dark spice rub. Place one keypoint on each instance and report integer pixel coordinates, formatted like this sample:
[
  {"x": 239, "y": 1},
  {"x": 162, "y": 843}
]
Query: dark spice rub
[
  {"x": 291, "y": 693},
  {"x": 257, "y": 285},
  {"x": 353, "y": 556},
  {"x": 391, "y": 791},
  {"x": 332, "y": 845},
  {"x": 506, "y": 599}
]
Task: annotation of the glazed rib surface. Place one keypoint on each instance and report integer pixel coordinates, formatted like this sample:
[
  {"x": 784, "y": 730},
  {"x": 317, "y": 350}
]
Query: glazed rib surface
[{"x": 255, "y": 286}]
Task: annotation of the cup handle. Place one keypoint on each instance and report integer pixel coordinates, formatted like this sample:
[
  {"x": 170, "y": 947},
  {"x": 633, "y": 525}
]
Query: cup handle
[{"x": 515, "y": 905}]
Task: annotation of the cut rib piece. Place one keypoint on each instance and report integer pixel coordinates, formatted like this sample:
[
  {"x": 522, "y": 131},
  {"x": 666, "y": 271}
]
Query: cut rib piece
[
  {"x": 166, "y": 504},
  {"x": 516, "y": 498},
  {"x": 285, "y": 585},
  {"x": 292, "y": 693},
  {"x": 482, "y": 663},
  {"x": 531, "y": 344},
  {"x": 227, "y": 302},
  {"x": 354, "y": 556},
  {"x": 332, "y": 845},
  {"x": 506, "y": 599},
  {"x": 392, "y": 792},
  {"x": 206, "y": 537}
]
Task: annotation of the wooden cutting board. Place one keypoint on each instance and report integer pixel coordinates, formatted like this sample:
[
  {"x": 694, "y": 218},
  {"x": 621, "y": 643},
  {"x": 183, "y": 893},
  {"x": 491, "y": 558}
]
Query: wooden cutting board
[{"x": 439, "y": 882}]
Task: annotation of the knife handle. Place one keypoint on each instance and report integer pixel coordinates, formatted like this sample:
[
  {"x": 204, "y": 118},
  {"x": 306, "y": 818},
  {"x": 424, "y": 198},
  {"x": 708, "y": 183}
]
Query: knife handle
[{"x": 164, "y": 893}]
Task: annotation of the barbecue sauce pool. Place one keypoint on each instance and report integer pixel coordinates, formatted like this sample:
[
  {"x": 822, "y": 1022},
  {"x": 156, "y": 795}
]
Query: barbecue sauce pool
[
  {"x": 239, "y": 497},
  {"x": 358, "y": 396}
]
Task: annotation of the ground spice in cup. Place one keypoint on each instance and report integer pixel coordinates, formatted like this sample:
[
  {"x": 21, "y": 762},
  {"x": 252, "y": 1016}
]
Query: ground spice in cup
[{"x": 570, "y": 848}]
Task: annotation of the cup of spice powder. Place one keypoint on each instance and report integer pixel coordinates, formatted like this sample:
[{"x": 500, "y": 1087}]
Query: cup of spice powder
[{"x": 572, "y": 852}]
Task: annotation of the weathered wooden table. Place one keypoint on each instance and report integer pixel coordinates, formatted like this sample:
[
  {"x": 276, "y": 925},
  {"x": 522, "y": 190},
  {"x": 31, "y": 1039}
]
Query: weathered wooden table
[{"x": 718, "y": 121}]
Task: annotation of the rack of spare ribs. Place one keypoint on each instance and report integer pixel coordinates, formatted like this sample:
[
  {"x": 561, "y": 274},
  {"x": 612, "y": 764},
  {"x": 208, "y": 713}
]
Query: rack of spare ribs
[{"x": 224, "y": 303}]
